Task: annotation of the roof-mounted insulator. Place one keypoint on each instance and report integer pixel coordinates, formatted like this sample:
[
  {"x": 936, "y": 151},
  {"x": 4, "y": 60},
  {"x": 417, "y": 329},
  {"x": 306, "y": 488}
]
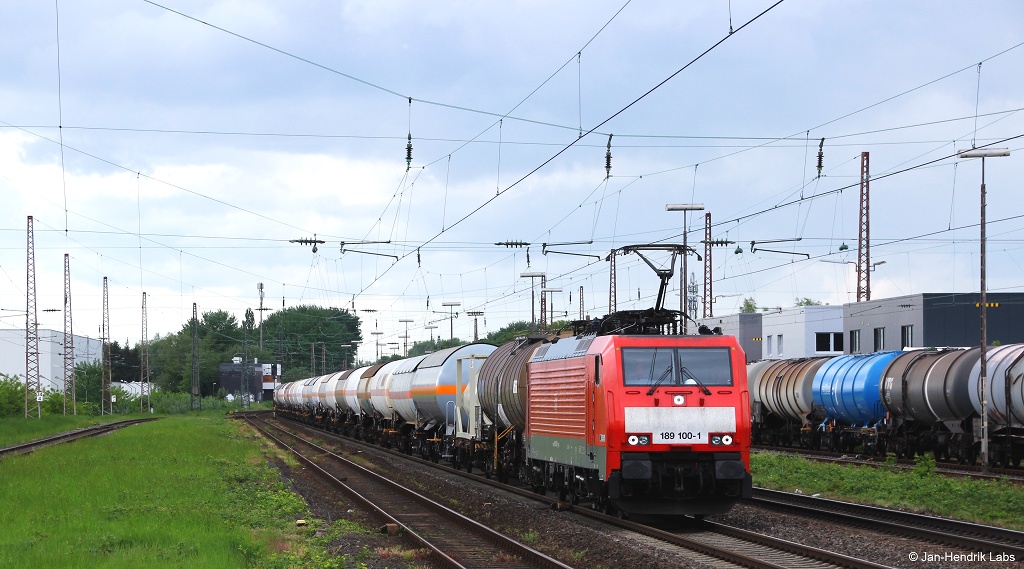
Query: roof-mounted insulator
[
  {"x": 608, "y": 159},
  {"x": 418, "y": 264},
  {"x": 821, "y": 155}
]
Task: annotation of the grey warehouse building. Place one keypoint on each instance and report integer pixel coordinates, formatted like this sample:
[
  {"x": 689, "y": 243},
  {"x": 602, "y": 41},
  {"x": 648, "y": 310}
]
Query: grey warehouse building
[{"x": 931, "y": 319}]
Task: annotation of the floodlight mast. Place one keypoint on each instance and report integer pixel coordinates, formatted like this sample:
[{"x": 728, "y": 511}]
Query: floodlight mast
[
  {"x": 683, "y": 308},
  {"x": 984, "y": 153}
]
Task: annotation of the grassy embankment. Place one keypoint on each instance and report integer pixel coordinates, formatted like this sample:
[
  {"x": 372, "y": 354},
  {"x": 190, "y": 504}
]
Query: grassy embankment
[
  {"x": 997, "y": 503},
  {"x": 14, "y": 430},
  {"x": 189, "y": 491}
]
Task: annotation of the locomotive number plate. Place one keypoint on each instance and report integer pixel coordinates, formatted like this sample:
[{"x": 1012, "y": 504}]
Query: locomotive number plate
[
  {"x": 680, "y": 425},
  {"x": 676, "y": 436}
]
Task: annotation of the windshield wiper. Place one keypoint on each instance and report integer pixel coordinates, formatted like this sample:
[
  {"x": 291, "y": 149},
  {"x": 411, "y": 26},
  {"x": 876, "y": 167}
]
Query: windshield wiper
[
  {"x": 687, "y": 374},
  {"x": 664, "y": 375}
]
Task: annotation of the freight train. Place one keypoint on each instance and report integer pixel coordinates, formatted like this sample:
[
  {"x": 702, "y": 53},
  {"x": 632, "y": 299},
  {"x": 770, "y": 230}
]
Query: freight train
[
  {"x": 909, "y": 402},
  {"x": 621, "y": 411}
]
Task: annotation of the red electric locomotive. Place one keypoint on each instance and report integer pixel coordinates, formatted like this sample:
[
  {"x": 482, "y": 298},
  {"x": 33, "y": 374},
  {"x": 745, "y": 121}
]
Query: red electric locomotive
[
  {"x": 644, "y": 424},
  {"x": 639, "y": 421}
]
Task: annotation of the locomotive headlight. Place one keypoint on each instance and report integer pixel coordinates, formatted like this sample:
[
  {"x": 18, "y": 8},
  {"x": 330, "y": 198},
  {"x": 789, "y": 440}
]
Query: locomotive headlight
[
  {"x": 721, "y": 440},
  {"x": 726, "y": 439},
  {"x": 638, "y": 440},
  {"x": 716, "y": 440}
]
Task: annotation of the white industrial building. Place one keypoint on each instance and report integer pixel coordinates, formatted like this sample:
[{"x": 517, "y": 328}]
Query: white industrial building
[
  {"x": 51, "y": 355},
  {"x": 802, "y": 332}
]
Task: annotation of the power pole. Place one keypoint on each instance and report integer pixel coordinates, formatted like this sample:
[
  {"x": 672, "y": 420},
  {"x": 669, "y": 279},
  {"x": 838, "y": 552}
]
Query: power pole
[
  {"x": 259, "y": 286},
  {"x": 106, "y": 406},
  {"x": 246, "y": 357},
  {"x": 708, "y": 297},
  {"x": 280, "y": 335},
  {"x": 581, "y": 302},
  {"x": 864, "y": 234},
  {"x": 144, "y": 363},
  {"x": 475, "y": 314},
  {"x": 32, "y": 388},
  {"x": 197, "y": 396},
  {"x": 69, "y": 343}
]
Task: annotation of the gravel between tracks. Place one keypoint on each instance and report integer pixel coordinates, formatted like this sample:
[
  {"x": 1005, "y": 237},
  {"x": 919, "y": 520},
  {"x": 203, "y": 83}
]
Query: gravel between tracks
[{"x": 581, "y": 542}]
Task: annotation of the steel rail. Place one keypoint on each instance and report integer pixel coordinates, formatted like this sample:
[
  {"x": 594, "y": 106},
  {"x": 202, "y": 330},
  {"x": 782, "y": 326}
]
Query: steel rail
[
  {"x": 70, "y": 436},
  {"x": 767, "y": 552},
  {"x": 530, "y": 556},
  {"x": 972, "y": 537}
]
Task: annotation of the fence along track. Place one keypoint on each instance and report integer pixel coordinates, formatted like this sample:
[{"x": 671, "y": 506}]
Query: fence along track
[{"x": 425, "y": 521}]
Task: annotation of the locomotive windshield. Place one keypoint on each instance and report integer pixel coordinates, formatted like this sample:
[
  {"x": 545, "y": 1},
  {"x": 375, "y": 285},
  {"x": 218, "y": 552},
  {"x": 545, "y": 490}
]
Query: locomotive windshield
[{"x": 676, "y": 366}]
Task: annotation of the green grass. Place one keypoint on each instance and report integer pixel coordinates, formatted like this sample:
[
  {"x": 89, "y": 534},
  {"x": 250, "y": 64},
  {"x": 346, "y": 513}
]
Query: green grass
[
  {"x": 997, "y": 503},
  {"x": 184, "y": 491},
  {"x": 14, "y": 430}
]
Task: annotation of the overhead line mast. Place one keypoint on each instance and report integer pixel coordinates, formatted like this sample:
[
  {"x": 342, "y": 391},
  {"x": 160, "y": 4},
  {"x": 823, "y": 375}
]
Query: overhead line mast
[
  {"x": 144, "y": 400},
  {"x": 864, "y": 232},
  {"x": 69, "y": 343},
  {"x": 106, "y": 405},
  {"x": 197, "y": 396},
  {"x": 32, "y": 387}
]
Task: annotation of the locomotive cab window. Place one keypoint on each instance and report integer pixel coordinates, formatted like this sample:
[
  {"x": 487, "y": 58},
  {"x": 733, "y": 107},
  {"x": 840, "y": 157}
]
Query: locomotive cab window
[{"x": 676, "y": 366}]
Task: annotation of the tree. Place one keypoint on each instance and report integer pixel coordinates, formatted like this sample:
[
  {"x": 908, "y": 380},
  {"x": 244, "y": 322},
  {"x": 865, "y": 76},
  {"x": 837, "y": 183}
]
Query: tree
[
  {"x": 749, "y": 306},
  {"x": 310, "y": 329},
  {"x": 807, "y": 302}
]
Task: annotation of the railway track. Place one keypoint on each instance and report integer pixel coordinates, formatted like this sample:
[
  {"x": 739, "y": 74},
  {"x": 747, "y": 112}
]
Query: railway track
[
  {"x": 453, "y": 539},
  {"x": 70, "y": 436},
  {"x": 954, "y": 533},
  {"x": 710, "y": 542},
  {"x": 1014, "y": 475}
]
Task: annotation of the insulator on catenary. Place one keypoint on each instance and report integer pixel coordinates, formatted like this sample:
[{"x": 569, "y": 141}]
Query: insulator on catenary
[
  {"x": 408, "y": 153},
  {"x": 821, "y": 155},
  {"x": 608, "y": 159}
]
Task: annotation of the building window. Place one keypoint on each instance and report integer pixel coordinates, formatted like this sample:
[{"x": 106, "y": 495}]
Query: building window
[
  {"x": 769, "y": 343},
  {"x": 828, "y": 342},
  {"x": 780, "y": 344},
  {"x": 906, "y": 336},
  {"x": 854, "y": 341},
  {"x": 879, "y": 339},
  {"x": 822, "y": 342}
]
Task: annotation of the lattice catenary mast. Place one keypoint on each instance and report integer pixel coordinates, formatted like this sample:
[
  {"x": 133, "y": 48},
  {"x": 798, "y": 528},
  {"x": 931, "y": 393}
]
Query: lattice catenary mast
[
  {"x": 708, "y": 296},
  {"x": 69, "y": 343},
  {"x": 106, "y": 405},
  {"x": 144, "y": 364},
  {"x": 33, "y": 393},
  {"x": 197, "y": 399},
  {"x": 864, "y": 233}
]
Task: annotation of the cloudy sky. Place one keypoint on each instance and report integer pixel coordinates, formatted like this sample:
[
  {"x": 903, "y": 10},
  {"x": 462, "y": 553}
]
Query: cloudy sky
[{"x": 179, "y": 148}]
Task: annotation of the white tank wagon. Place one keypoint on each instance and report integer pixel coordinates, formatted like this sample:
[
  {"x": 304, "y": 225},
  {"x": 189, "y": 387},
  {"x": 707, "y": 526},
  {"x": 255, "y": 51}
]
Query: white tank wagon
[
  {"x": 434, "y": 383},
  {"x": 1005, "y": 368},
  {"x": 379, "y": 384},
  {"x": 400, "y": 390}
]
